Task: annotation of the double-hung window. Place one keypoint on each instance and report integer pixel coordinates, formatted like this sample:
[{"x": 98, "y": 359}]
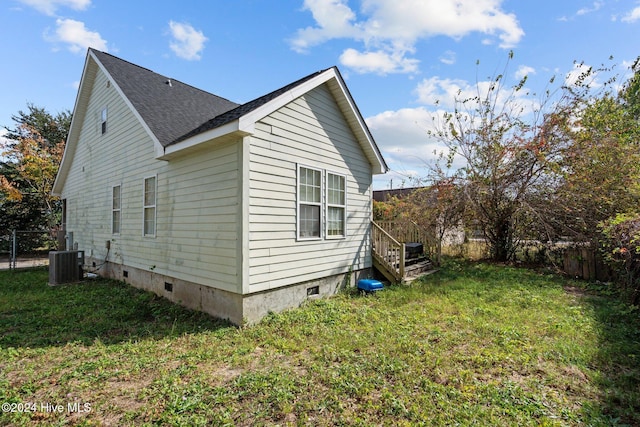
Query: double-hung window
[
  {"x": 322, "y": 204},
  {"x": 149, "y": 206},
  {"x": 336, "y": 205},
  {"x": 309, "y": 202},
  {"x": 116, "y": 209}
]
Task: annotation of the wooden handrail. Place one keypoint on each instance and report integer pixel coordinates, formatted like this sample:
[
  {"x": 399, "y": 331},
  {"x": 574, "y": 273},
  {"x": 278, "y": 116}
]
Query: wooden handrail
[
  {"x": 388, "y": 252},
  {"x": 408, "y": 231}
]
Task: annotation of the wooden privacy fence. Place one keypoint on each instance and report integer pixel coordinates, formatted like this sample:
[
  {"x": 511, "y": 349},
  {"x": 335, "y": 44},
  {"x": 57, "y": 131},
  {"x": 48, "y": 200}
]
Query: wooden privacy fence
[{"x": 585, "y": 263}]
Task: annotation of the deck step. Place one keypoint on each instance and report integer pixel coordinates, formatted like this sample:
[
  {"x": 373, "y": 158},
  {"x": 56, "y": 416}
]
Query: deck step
[{"x": 414, "y": 269}]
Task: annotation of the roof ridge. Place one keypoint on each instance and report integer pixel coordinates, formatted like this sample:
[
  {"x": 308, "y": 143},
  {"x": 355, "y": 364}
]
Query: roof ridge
[
  {"x": 161, "y": 75},
  {"x": 168, "y": 110}
]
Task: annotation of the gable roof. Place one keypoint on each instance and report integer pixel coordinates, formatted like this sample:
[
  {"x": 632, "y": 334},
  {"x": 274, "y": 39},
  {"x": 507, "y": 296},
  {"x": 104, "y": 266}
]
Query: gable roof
[
  {"x": 243, "y": 109},
  {"x": 178, "y": 116},
  {"x": 169, "y": 107}
]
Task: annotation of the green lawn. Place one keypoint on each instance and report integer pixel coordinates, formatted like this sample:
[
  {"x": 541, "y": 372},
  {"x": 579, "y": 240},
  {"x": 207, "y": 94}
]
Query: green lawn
[{"x": 474, "y": 344}]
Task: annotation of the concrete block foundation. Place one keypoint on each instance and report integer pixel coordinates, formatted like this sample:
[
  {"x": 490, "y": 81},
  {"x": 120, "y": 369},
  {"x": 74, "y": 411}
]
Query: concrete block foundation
[{"x": 236, "y": 308}]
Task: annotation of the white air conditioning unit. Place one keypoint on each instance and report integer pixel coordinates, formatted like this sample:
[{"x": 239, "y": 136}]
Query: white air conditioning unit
[{"x": 65, "y": 267}]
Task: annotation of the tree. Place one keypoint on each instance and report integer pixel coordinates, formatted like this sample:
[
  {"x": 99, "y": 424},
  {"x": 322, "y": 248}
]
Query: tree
[
  {"x": 598, "y": 172},
  {"x": 437, "y": 209},
  {"x": 32, "y": 156},
  {"x": 504, "y": 145},
  {"x": 52, "y": 129}
]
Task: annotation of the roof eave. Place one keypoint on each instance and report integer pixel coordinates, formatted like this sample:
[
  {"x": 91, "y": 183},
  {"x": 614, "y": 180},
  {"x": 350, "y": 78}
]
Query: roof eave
[
  {"x": 223, "y": 132},
  {"x": 79, "y": 111},
  {"x": 245, "y": 125}
]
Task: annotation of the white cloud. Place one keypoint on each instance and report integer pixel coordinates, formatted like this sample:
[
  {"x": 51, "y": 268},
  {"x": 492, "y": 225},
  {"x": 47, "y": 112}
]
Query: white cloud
[
  {"x": 585, "y": 10},
  {"x": 77, "y": 37},
  {"x": 447, "y": 92},
  {"x": 334, "y": 19},
  {"x": 524, "y": 70},
  {"x": 632, "y": 16},
  {"x": 378, "y": 62},
  {"x": 403, "y": 138},
  {"x": 187, "y": 42},
  {"x": 395, "y": 26},
  {"x": 449, "y": 58},
  {"x": 582, "y": 74},
  {"x": 453, "y": 94},
  {"x": 49, "y": 7}
]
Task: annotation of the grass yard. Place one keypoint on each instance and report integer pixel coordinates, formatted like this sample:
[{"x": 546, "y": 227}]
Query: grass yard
[{"x": 474, "y": 344}]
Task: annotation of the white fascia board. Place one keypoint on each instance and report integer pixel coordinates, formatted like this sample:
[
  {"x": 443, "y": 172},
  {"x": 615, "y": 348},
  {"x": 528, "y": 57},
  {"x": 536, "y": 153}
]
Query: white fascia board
[
  {"x": 362, "y": 130},
  {"x": 229, "y": 128},
  {"x": 79, "y": 113},
  {"x": 247, "y": 122}
]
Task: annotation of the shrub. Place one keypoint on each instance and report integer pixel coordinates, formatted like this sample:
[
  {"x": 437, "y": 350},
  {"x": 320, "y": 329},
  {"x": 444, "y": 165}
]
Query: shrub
[{"x": 621, "y": 251}]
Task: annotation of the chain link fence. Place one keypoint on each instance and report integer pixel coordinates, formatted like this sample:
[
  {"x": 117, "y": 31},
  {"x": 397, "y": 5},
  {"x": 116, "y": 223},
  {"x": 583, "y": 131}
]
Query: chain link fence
[{"x": 26, "y": 248}]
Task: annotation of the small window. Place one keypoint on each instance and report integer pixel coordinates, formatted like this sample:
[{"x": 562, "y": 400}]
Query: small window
[
  {"x": 336, "y": 205},
  {"x": 115, "y": 210},
  {"x": 309, "y": 203},
  {"x": 103, "y": 120},
  {"x": 149, "y": 206}
]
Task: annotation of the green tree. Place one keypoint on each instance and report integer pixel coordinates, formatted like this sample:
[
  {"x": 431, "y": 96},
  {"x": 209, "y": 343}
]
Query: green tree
[
  {"x": 32, "y": 155},
  {"x": 597, "y": 173},
  {"x": 504, "y": 145},
  {"x": 52, "y": 129}
]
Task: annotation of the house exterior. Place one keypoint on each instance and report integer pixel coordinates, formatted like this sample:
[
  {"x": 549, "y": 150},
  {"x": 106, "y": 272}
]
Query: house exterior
[{"x": 235, "y": 210}]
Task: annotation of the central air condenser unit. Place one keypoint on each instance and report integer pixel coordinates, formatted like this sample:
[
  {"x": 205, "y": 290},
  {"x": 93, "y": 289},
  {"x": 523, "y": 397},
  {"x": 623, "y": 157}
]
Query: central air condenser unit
[{"x": 65, "y": 267}]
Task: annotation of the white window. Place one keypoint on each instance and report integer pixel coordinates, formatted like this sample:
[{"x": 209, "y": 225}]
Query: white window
[
  {"x": 309, "y": 203},
  {"x": 103, "y": 120},
  {"x": 115, "y": 209},
  {"x": 336, "y": 205},
  {"x": 149, "y": 206}
]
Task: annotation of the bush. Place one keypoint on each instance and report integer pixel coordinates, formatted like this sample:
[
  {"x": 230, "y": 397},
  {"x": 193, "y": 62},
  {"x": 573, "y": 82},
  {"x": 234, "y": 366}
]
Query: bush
[{"x": 621, "y": 251}]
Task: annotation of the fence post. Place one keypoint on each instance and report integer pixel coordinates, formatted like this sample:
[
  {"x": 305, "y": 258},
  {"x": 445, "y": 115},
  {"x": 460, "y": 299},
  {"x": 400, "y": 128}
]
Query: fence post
[{"x": 14, "y": 247}]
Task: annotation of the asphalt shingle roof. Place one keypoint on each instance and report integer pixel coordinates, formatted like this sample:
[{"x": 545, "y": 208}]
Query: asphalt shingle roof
[
  {"x": 171, "y": 110},
  {"x": 177, "y": 111},
  {"x": 246, "y": 108}
]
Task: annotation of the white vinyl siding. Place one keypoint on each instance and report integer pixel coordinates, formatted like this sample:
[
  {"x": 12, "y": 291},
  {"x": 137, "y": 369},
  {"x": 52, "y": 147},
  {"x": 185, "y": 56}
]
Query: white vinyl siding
[
  {"x": 336, "y": 205},
  {"x": 197, "y": 198},
  {"x": 116, "y": 209},
  {"x": 149, "y": 206},
  {"x": 310, "y": 132}
]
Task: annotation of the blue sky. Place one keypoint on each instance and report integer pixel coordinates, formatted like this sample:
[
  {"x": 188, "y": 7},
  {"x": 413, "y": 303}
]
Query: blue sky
[{"x": 397, "y": 56}]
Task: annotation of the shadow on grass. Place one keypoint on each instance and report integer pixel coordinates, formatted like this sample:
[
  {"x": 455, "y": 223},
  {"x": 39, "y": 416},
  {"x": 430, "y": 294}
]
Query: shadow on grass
[
  {"x": 618, "y": 357},
  {"x": 34, "y": 314}
]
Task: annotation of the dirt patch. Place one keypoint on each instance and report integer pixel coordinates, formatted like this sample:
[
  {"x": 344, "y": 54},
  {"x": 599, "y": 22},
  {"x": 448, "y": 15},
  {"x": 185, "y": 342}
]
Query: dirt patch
[{"x": 575, "y": 291}]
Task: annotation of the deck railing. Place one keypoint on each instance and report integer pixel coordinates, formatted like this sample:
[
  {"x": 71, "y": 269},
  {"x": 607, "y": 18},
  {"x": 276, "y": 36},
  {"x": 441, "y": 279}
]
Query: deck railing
[
  {"x": 409, "y": 231},
  {"x": 388, "y": 253}
]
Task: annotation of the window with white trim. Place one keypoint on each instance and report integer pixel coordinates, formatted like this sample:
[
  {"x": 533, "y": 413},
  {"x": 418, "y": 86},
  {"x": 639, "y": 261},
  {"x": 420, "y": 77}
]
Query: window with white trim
[
  {"x": 115, "y": 209},
  {"x": 336, "y": 205},
  {"x": 309, "y": 203},
  {"x": 103, "y": 120},
  {"x": 149, "y": 206}
]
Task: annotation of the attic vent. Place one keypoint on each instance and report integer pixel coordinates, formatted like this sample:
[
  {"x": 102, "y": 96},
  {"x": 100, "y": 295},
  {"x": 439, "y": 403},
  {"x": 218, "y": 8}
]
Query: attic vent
[{"x": 169, "y": 82}]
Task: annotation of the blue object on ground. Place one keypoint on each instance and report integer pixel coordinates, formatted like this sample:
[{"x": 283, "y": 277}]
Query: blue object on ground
[{"x": 370, "y": 285}]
